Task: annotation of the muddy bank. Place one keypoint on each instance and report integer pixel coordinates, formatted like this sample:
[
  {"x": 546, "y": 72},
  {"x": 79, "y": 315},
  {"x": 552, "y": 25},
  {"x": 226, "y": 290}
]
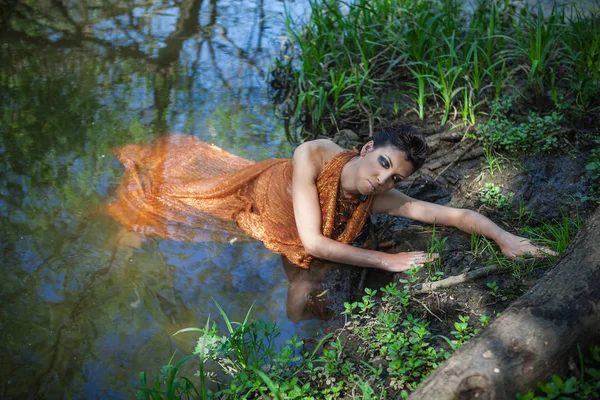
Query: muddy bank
[{"x": 545, "y": 187}]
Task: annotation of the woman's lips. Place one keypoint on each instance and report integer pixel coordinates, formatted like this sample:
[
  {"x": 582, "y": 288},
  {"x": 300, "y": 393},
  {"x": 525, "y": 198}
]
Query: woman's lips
[{"x": 370, "y": 184}]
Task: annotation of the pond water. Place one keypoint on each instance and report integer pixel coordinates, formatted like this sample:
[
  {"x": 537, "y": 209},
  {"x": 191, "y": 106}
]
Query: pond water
[{"x": 81, "y": 314}]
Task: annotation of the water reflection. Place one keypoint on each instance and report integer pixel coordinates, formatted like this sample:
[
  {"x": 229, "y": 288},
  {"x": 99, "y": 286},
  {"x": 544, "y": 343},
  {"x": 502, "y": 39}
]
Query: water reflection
[{"x": 84, "y": 308}]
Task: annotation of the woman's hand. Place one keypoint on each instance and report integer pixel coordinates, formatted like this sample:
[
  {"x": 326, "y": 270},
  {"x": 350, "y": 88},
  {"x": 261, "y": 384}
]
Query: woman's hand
[
  {"x": 404, "y": 261},
  {"x": 513, "y": 246}
]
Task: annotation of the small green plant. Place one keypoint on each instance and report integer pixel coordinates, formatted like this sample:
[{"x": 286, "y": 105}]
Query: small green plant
[
  {"x": 587, "y": 386},
  {"x": 484, "y": 319},
  {"x": 396, "y": 110},
  {"x": 539, "y": 42},
  {"x": 412, "y": 276},
  {"x": 492, "y": 196},
  {"x": 493, "y": 286},
  {"x": 462, "y": 332},
  {"x": 445, "y": 82},
  {"x": 394, "y": 297},
  {"x": 583, "y": 49},
  {"x": 469, "y": 107},
  {"x": 420, "y": 96},
  {"x": 538, "y": 133}
]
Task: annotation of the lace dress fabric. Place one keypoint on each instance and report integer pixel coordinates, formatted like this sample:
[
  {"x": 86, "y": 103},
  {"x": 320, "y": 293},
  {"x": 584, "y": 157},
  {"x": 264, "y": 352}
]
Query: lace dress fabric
[{"x": 181, "y": 188}]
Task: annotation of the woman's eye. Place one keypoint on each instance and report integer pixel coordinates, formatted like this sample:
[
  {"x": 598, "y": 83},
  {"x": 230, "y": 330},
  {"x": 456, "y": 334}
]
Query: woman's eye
[
  {"x": 384, "y": 163},
  {"x": 397, "y": 179}
]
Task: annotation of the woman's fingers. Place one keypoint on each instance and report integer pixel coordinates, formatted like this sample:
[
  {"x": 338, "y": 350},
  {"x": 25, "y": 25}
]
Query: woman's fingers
[
  {"x": 420, "y": 257},
  {"x": 545, "y": 251},
  {"x": 527, "y": 248},
  {"x": 537, "y": 251}
]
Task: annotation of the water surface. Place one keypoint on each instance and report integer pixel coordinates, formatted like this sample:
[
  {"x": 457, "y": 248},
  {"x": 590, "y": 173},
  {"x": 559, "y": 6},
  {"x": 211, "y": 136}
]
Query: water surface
[{"x": 82, "y": 309}]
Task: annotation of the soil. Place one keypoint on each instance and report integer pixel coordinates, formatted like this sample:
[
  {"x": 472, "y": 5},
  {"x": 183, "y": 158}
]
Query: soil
[{"x": 547, "y": 185}]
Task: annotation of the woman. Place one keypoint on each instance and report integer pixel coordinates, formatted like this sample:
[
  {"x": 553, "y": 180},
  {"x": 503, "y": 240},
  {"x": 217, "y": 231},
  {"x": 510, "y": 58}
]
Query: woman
[
  {"x": 394, "y": 154},
  {"x": 314, "y": 205}
]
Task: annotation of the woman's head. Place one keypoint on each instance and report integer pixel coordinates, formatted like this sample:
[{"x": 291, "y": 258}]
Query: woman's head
[
  {"x": 405, "y": 138},
  {"x": 391, "y": 156}
]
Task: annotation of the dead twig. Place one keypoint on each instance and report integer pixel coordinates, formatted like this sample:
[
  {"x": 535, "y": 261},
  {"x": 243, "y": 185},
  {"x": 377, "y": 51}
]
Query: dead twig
[
  {"x": 429, "y": 287},
  {"x": 428, "y": 310},
  {"x": 459, "y": 157}
]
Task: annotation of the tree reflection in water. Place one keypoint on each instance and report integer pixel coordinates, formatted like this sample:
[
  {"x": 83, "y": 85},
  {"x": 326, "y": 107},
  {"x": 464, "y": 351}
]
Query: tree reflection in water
[{"x": 80, "y": 315}]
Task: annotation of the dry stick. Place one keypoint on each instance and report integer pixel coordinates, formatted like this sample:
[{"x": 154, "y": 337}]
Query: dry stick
[
  {"x": 457, "y": 159},
  {"x": 370, "y": 118},
  {"x": 427, "y": 308},
  {"x": 438, "y": 158},
  {"x": 429, "y": 287}
]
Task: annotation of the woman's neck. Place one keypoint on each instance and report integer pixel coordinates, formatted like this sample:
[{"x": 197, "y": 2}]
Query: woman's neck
[{"x": 347, "y": 179}]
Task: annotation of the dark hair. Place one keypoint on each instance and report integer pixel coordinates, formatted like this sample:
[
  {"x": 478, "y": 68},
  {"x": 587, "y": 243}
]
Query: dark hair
[{"x": 405, "y": 138}]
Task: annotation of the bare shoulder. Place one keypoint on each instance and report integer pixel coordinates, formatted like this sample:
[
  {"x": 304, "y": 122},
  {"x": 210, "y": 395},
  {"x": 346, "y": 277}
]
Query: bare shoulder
[{"x": 314, "y": 154}]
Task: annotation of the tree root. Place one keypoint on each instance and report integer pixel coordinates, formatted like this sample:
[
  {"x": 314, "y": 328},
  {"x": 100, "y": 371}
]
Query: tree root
[
  {"x": 535, "y": 337},
  {"x": 465, "y": 154}
]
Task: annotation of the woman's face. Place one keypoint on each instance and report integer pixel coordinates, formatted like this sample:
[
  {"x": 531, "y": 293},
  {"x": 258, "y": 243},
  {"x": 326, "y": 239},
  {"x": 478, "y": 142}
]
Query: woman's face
[{"x": 381, "y": 169}]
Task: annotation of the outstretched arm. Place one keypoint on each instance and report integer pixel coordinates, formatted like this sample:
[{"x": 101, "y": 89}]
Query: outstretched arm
[
  {"x": 308, "y": 161},
  {"x": 397, "y": 203}
]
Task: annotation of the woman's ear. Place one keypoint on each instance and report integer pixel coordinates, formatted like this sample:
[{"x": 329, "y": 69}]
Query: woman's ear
[{"x": 367, "y": 148}]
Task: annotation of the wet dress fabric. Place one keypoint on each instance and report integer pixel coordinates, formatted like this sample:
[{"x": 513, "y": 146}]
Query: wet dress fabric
[{"x": 181, "y": 188}]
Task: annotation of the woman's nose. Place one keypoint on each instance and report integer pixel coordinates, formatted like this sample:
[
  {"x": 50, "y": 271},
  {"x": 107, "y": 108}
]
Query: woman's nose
[{"x": 383, "y": 178}]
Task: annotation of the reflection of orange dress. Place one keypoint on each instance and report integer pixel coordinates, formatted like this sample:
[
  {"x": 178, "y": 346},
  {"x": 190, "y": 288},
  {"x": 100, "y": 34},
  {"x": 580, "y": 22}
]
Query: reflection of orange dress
[{"x": 183, "y": 189}]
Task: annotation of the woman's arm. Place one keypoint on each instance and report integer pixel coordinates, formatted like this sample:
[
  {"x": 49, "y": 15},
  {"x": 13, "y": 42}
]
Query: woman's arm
[
  {"x": 308, "y": 161},
  {"x": 398, "y": 204}
]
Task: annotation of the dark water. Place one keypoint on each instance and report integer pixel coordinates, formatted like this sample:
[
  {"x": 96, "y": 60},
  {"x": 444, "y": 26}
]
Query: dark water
[{"x": 80, "y": 317}]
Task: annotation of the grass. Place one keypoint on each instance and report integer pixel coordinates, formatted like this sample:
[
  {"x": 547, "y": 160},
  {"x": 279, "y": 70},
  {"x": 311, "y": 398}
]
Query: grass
[
  {"x": 477, "y": 245},
  {"x": 555, "y": 234},
  {"x": 492, "y": 159},
  {"x": 254, "y": 368},
  {"x": 346, "y": 55},
  {"x": 436, "y": 246},
  {"x": 421, "y": 94},
  {"x": 583, "y": 47},
  {"x": 539, "y": 44}
]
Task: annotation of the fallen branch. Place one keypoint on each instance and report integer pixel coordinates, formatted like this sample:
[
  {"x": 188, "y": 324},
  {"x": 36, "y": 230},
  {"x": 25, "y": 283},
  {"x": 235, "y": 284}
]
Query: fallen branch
[
  {"x": 463, "y": 156},
  {"x": 443, "y": 136},
  {"x": 454, "y": 280},
  {"x": 466, "y": 154}
]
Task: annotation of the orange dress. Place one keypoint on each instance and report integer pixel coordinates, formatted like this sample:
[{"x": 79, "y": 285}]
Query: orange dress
[{"x": 181, "y": 188}]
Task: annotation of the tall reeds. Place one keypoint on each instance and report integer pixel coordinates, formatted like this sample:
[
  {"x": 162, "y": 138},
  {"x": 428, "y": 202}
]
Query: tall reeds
[{"x": 347, "y": 55}]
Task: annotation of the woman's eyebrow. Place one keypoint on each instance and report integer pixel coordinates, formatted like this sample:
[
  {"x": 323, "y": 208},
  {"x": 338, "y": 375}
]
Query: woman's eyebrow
[
  {"x": 392, "y": 165},
  {"x": 389, "y": 160}
]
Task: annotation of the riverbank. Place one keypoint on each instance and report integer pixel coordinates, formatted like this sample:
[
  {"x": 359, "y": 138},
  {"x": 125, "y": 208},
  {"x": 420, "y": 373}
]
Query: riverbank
[{"x": 509, "y": 100}]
